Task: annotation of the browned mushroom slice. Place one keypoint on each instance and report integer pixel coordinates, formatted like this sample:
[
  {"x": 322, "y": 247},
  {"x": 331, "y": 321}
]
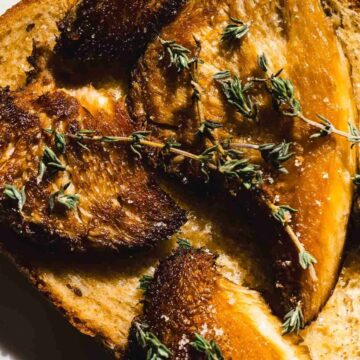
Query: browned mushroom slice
[
  {"x": 59, "y": 189},
  {"x": 296, "y": 37},
  {"x": 188, "y": 296},
  {"x": 103, "y": 29}
]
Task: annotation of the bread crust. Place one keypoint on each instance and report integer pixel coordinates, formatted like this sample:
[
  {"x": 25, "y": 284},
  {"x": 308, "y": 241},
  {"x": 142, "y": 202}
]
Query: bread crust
[
  {"x": 106, "y": 29},
  {"x": 328, "y": 336}
]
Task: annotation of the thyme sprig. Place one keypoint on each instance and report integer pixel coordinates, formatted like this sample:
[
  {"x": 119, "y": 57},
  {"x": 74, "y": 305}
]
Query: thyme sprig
[
  {"x": 235, "y": 31},
  {"x": 60, "y": 141},
  {"x": 195, "y": 62},
  {"x": 209, "y": 348},
  {"x": 277, "y": 154},
  {"x": 145, "y": 281},
  {"x": 293, "y": 321},
  {"x": 13, "y": 193},
  {"x": 69, "y": 201},
  {"x": 273, "y": 154},
  {"x": 237, "y": 95},
  {"x": 178, "y": 55},
  {"x": 284, "y": 99},
  {"x": 155, "y": 349},
  {"x": 249, "y": 175},
  {"x": 282, "y": 214},
  {"x": 49, "y": 162},
  {"x": 184, "y": 243}
]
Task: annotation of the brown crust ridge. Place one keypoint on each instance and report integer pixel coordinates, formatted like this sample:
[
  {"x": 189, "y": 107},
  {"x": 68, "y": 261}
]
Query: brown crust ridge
[{"x": 105, "y": 29}]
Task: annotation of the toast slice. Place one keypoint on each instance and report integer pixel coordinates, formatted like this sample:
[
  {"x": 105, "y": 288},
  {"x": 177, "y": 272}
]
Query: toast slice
[
  {"x": 188, "y": 301},
  {"x": 316, "y": 187},
  {"x": 101, "y": 299},
  {"x": 63, "y": 175}
]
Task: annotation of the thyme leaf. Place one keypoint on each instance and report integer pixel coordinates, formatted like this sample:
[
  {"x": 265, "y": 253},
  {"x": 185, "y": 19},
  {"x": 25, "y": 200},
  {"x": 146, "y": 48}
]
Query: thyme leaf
[
  {"x": 293, "y": 321},
  {"x": 207, "y": 127},
  {"x": 282, "y": 213},
  {"x": 49, "y": 162},
  {"x": 155, "y": 349},
  {"x": 136, "y": 145},
  {"x": 356, "y": 179},
  {"x": 354, "y": 136},
  {"x": 222, "y": 75},
  {"x": 263, "y": 63},
  {"x": 16, "y": 194},
  {"x": 236, "y": 95},
  {"x": 306, "y": 259},
  {"x": 235, "y": 31},
  {"x": 178, "y": 55},
  {"x": 145, "y": 281},
  {"x": 69, "y": 201},
  {"x": 241, "y": 169},
  {"x": 209, "y": 348},
  {"x": 60, "y": 141},
  {"x": 277, "y": 154},
  {"x": 184, "y": 243}
]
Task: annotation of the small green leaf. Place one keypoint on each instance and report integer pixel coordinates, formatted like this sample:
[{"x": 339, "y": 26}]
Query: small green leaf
[
  {"x": 282, "y": 213},
  {"x": 145, "y": 281},
  {"x": 184, "y": 244},
  {"x": 236, "y": 95},
  {"x": 155, "y": 349},
  {"x": 263, "y": 63},
  {"x": 236, "y": 31},
  {"x": 209, "y": 348},
  {"x": 222, "y": 75},
  {"x": 306, "y": 260},
  {"x": 293, "y": 321},
  {"x": 356, "y": 179},
  {"x": 178, "y": 55},
  {"x": 50, "y": 162},
  {"x": 276, "y": 154},
  {"x": 14, "y": 193},
  {"x": 69, "y": 201}
]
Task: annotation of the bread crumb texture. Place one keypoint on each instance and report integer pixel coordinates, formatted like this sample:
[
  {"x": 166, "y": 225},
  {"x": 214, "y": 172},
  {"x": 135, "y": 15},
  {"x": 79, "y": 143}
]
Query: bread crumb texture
[{"x": 28, "y": 22}]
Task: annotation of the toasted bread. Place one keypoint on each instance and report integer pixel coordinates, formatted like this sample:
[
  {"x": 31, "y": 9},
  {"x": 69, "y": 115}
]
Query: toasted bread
[
  {"x": 318, "y": 183},
  {"x": 188, "y": 296},
  {"x": 71, "y": 205},
  {"x": 101, "y": 298}
]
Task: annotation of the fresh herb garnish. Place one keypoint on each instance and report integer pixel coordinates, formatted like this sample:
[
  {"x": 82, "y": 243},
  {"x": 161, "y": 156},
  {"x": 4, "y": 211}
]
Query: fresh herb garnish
[
  {"x": 145, "y": 281},
  {"x": 209, "y": 348},
  {"x": 178, "y": 55},
  {"x": 155, "y": 350},
  {"x": 277, "y": 154},
  {"x": 235, "y": 31},
  {"x": 283, "y": 95},
  {"x": 241, "y": 169},
  {"x": 356, "y": 179},
  {"x": 69, "y": 201},
  {"x": 293, "y": 321},
  {"x": 222, "y": 75},
  {"x": 283, "y": 214},
  {"x": 14, "y": 193},
  {"x": 207, "y": 127},
  {"x": 49, "y": 162},
  {"x": 184, "y": 244},
  {"x": 237, "y": 95}
]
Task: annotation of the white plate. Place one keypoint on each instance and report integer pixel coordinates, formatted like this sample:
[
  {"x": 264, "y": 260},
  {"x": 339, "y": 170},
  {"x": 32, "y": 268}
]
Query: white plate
[
  {"x": 29, "y": 328},
  {"x": 5, "y": 4}
]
